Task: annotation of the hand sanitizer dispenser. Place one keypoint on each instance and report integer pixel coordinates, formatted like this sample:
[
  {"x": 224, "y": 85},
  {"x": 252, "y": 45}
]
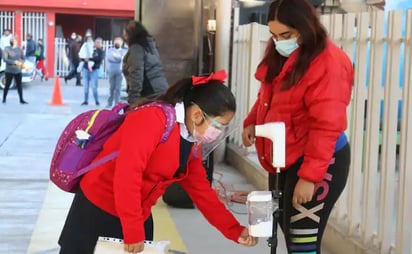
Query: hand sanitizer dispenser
[
  {"x": 274, "y": 131},
  {"x": 260, "y": 207}
]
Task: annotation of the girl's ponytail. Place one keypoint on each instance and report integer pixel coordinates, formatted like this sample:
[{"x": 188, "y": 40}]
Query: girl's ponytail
[{"x": 179, "y": 92}]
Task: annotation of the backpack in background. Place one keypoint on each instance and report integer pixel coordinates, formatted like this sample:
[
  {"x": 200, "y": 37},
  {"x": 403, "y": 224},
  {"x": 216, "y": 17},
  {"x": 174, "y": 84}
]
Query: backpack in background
[
  {"x": 176, "y": 196},
  {"x": 83, "y": 139}
]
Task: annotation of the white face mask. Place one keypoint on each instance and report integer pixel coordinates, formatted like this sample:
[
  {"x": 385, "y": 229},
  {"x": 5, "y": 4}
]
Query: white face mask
[{"x": 286, "y": 47}]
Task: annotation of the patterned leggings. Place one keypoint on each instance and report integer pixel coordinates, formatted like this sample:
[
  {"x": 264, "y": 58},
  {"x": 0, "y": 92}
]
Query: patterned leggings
[{"x": 303, "y": 226}]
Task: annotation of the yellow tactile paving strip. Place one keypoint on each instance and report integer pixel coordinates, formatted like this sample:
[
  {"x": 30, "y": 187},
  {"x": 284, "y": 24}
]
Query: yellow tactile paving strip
[
  {"x": 165, "y": 228},
  {"x": 53, "y": 214}
]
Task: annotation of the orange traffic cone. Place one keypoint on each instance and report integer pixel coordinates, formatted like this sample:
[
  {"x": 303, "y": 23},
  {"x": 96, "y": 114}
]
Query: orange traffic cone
[{"x": 56, "y": 99}]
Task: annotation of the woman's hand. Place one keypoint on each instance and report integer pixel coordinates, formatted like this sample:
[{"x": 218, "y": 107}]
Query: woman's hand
[
  {"x": 134, "y": 247},
  {"x": 246, "y": 240},
  {"x": 248, "y": 135},
  {"x": 303, "y": 192}
]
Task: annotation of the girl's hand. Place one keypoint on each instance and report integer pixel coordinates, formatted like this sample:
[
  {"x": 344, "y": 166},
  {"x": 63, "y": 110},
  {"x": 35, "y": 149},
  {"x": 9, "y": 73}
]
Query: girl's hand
[
  {"x": 134, "y": 247},
  {"x": 248, "y": 135},
  {"x": 303, "y": 192},
  {"x": 246, "y": 240}
]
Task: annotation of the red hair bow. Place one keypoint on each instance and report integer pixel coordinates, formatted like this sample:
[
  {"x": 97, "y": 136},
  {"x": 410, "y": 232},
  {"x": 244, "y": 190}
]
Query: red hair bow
[{"x": 218, "y": 76}]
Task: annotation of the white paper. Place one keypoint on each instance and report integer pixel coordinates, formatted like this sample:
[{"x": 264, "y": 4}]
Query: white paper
[{"x": 106, "y": 245}]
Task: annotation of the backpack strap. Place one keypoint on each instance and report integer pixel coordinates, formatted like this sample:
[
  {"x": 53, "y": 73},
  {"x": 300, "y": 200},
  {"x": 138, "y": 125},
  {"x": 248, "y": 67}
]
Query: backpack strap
[
  {"x": 95, "y": 164},
  {"x": 168, "y": 110},
  {"x": 170, "y": 115}
]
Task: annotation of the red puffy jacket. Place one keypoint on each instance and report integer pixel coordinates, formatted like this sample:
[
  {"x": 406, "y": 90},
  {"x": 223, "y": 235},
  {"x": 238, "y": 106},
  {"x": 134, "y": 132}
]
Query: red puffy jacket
[
  {"x": 130, "y": 185},
  {"x": 314, "y": 111}
]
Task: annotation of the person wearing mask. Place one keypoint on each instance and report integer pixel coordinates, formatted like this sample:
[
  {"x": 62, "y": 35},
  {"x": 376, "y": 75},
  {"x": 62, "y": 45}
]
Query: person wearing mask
[
  {"x": 40, "y": 61},
  {"x": 306, "y": 82},
  {"x": 74, "y": 59},
  {"x": 114, "y": 59},
  {"x": 72, "y": 39},
  {"x": 120, "y": 193},
  {"x": 14, "y": 58},
  {"x": 142, "y": 66},
  {"x": 30, "y": 49},
  {"x": 92, "y": 56}
]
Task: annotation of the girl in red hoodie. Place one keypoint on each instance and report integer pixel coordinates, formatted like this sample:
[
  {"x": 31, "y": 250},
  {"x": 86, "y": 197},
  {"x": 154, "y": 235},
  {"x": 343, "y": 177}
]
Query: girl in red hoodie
[
  {"x": 306, "y": 82},
  {"x": 115, "y": 199}
]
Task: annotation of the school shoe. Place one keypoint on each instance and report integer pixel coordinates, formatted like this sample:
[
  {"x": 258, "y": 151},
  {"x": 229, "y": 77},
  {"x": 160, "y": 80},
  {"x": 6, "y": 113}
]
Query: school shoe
[
  {"x": 23, "y": 102},
  {"x": 85, "y": 103}
]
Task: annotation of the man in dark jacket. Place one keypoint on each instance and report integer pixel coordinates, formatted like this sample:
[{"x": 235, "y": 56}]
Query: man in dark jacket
[
  {"x": 74, "y": 60},
  {"x": 30, "y": 49}
]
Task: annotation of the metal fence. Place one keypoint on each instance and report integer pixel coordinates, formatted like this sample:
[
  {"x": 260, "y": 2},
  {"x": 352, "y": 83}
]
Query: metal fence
[{"x": 6, "y": 20}]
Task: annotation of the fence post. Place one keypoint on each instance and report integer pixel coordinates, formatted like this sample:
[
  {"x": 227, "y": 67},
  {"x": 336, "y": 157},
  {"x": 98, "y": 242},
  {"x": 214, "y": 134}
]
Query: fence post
[
  {"x": 389, "y": 132},
  {"x": 254, "y": 58},
  {"x": 235, "y": 85},
  {"x": 347, "y": 41},
  {"x": 404, "y": 220},
  {"x": 371, "y": 156},
  {"x": 357, "y": 131}
]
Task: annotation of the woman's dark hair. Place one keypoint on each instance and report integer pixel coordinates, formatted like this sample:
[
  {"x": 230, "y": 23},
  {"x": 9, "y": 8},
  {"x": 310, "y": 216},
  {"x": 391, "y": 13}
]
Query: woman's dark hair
[
  {"x": 214, "y": 98},
  {"x": 137, "y": 34},
  {"x": 302, "y": 16}
]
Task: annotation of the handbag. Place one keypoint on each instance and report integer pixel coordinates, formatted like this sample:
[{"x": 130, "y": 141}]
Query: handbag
[{"x": 108, "y": 245}]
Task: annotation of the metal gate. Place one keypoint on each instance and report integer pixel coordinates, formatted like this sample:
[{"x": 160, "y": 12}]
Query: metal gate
[
  {"x": 6, "y": 20},
  {"x": 35, "y": 23}
]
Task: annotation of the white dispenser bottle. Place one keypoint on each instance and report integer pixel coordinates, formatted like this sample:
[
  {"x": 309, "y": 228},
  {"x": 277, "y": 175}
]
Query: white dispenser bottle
[{"x": 260, "y": 206}]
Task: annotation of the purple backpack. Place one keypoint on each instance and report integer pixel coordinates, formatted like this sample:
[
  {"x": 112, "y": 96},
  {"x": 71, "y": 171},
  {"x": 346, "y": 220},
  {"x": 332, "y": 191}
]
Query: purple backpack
[{"x": 83, "y": 139}]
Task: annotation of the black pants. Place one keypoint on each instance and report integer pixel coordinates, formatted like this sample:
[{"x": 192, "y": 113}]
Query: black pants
[
  {"x": 86, "y": 222},
  {"x": 17, "y": 78},
  {"x": 304, "y": 225},
  {"x": 73, "y": 73}
]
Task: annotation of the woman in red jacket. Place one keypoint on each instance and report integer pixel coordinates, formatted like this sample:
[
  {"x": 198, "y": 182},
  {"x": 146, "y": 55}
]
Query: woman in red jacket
[
  {"x": 115, "y": 199},
  {"x": 306, "y": 82}
]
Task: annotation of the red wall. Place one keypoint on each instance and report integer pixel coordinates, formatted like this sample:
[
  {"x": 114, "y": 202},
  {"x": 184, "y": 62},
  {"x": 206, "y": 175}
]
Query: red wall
[{"x": 121, "y": 8}]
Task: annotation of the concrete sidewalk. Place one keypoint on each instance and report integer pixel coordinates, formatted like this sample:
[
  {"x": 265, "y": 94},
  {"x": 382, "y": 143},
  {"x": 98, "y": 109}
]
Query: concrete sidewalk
[{"x": 33, "y": 210}]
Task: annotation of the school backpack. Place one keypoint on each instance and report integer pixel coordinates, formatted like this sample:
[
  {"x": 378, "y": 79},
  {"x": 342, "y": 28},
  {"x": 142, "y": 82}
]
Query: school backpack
[{"x": 83, "y": 139}]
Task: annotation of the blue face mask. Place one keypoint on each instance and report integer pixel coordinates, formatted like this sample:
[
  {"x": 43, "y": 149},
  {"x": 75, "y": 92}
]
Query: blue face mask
[{"x": 286, "y": 47}]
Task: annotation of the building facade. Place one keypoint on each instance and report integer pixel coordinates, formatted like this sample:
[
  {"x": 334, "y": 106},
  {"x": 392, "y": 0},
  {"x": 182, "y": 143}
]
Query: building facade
[{"x": 50, "y": 19}]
